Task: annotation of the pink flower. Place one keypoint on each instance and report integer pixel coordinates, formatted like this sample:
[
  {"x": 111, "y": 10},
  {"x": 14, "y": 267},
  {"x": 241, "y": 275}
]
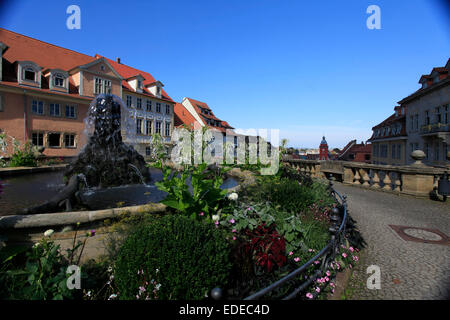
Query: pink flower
[
  {"x": 234, "y": 238},
  {"x": 216, "y": 223},
  {"x": 344, "y": 255},
  {"x": 231, "y": 221},
  {"x": 291, "y": 253},
  {"x": 351, "y": 249},
  {"x": 316, "y": 262},
  {"x": 332, "y": 284},
  {"x": 355, "y": 258},
  {"x": 350, "y": 266},
  {"x": 327, "y": 279},
  {"x": 317, "y": 289},
  {"x": 234, "y": 230},
  {"x": 309, "y": 295},
  {"x": 328, "y": 273},
  {"x": 310, "y": 250},
  {"x": 202, "y": 214},
  {"x": 296, "y": 259}
]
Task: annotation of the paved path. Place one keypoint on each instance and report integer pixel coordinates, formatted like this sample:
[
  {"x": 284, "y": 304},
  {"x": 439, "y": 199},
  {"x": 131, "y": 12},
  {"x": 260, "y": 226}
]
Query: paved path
[{"x": 409, "y": 270}]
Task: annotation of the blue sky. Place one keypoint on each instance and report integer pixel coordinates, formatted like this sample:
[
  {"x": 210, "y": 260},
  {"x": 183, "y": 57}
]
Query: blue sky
[{"x": 308, "y": 68}]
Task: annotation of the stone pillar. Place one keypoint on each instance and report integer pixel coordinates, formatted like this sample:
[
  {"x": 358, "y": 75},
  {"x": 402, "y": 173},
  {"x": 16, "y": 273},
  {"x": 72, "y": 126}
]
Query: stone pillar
[
  {"x": 348, "y": 176},
  {"x": 417, "y": 184}
]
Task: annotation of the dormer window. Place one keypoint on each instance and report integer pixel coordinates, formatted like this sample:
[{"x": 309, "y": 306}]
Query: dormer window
[
  {"x": 140, "y": 84},
  {"x": 29, "y": 74},
  {"x": 158, "y": 91},
  {"x": 58, "y": 80}
]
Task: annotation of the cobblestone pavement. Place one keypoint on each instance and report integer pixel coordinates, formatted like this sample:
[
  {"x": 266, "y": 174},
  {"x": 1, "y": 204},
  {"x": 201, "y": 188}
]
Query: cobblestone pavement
[{"x": 409, "y": 270}]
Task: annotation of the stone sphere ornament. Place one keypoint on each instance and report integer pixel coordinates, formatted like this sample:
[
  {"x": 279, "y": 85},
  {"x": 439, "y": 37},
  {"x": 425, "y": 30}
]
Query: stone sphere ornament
[{"x": 216, "y": 293}]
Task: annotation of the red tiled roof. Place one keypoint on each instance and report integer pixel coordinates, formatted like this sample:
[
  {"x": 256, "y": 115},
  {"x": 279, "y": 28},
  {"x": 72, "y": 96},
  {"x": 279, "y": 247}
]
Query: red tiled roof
[
  {"x": 127, "y": 72},
  {"x": 46, "y": 55},
  {"x": 198, "y": 105},
  {"x": 182, "y": 116}
]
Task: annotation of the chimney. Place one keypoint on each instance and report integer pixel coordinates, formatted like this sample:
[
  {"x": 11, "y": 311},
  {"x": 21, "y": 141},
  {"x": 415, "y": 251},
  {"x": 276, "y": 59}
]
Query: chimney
[{"x": 118, "y": 60}]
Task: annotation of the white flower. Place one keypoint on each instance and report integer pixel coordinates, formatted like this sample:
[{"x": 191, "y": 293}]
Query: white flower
[
  {"x": 37, "y": 244},
  {"x": 215, "y": 217},
  {"x": 158, "y": 286},
  {"x": 233, "y": 196},
  {"x": 49, "y": 232},
  {"x": 113, "y": 296}
]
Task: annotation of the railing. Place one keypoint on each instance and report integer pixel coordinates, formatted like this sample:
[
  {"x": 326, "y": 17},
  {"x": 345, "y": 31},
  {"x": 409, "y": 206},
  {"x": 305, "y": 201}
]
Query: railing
[
  {"x": 435, "y": 127},
  {"x": 416, "y": 179},
  {"x": 327, "y": 254}
]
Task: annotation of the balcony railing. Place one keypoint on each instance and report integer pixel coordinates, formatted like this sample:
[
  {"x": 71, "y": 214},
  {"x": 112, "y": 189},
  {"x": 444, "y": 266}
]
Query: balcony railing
[{"x": 435, "y": 127}]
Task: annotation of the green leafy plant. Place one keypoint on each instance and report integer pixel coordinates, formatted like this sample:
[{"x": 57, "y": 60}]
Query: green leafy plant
[
  {"x": 206, "y": 196},
  {"x": 23, "y": 156},
  {"x": 191, "y": 258}
]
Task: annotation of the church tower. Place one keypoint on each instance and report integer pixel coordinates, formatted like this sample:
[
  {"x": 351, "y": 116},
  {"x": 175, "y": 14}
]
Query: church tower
[{"x": 323, "y": 150}]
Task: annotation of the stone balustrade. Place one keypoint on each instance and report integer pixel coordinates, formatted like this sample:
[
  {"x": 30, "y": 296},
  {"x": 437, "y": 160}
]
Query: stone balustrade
[{"x": 417, "y": 179}]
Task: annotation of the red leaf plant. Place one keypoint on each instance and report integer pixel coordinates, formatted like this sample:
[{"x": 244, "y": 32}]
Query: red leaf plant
[{"x": 267, "y": 246}]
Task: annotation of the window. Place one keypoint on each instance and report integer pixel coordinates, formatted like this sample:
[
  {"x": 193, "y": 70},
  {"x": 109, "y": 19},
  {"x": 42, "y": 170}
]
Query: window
[
  {"x": 138, "y": 126},
  {"x": 37, "y": 107},
  {"x": 98, "y": 86},
  {"x": 148, "y": 127},
  {"x": 416, "y": 120},
  {"x": 436, "y": 152},
  {"x": 140, "y": 84},
  {"x": 393, "y": 151},
  {"x": 445, "y": 114},
  {"x": 427, "y": 150},
  {"x": 149, "y": 105},
  {"x": 399, "y": 151},
  {"x": 69, "y": 140},
  {"x": 38, "y": 139},
  {"x": 70, "y": 111},
  {"x": 158, "y": 107},
  {"x": 107, "y": 87},
  {"x": 158, "y": 127},
  {"x": 438, "y": 115},
  {"x": 167, "y": 132},
  {"x": 129, "y": 100},
  {"x": 167, "y": 109},
  {"x": 58, "y": 80},
  {"x": 139, "y": 103},
  {"x": 375, "y": 150},
  {"x": 54, "y": 140},
  {"x": 29, "y": 74},
  {"x": 383, "y": 151},
  {"x": 367, "y": 157},
  {"x": 427, "y": 117},
  {"x": 158, "y": 91},
  {"x": 147, "y": 151},
  {"x": 54, "y": 109}
]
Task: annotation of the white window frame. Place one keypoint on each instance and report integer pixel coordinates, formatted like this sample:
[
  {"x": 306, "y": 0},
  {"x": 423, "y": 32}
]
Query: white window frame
[
  {"x": 70, "y": 108},
  {"x": 74, "y": 140},
  {"x": 38, "y": 133}
]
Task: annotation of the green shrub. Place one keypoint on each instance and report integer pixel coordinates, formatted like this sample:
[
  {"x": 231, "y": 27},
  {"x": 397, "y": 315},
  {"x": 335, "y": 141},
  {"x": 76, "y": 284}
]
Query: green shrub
[
  {"x": 185, "y": 258},
  {"x": 289, "y": 195},
  {"x": 23, "y": 157}
]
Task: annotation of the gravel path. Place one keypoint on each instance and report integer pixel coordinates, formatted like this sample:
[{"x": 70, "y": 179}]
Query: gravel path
[{"x": 409, "y": 270}]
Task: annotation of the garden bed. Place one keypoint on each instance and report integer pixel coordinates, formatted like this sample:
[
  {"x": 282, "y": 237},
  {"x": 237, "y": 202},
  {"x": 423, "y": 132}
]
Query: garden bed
[{"x": 240, "y": 242}]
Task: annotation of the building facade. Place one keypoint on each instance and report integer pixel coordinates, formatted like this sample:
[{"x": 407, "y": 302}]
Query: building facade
[
  {"x": 389, "y": 139},
  {"x": 428, "y": 117},
  {"x": 357, "y": 152},
  {"x": 45, "y": 92},
  {"x": 150, "y": 108}
]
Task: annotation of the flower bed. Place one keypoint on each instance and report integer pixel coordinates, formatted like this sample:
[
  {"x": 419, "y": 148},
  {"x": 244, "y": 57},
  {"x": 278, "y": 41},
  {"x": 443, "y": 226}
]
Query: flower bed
[{"x": 246, "y": 240}]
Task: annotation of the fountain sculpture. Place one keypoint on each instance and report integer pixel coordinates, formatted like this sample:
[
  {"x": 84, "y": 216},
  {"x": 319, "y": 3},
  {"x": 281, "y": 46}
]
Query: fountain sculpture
[{"x": 104, "y": 162}]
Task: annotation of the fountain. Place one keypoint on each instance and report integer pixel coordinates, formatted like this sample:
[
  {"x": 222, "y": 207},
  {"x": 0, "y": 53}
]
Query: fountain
[{"x": 105, "y": 161}]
